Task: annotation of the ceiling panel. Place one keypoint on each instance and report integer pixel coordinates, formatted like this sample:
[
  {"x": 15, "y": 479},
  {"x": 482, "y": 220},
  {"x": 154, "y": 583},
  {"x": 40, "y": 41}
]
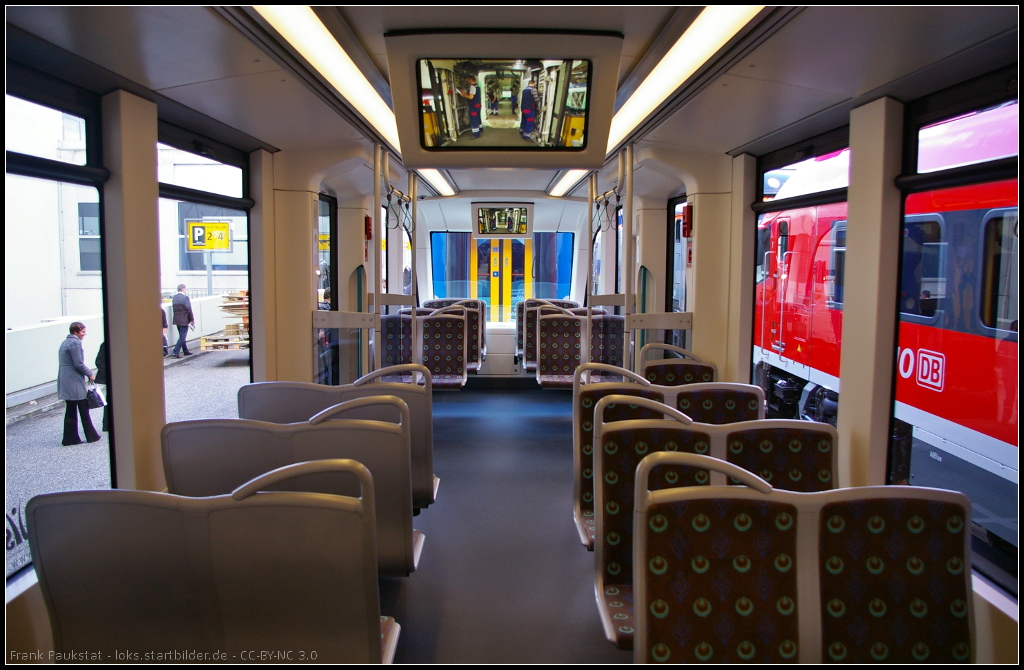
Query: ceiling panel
[
  {"x": 853, "y": 50},
  {"x": 273, "y": 106},
  {"x": 734, "y": 110},
  {"x": 157, "y": 47},
  {"x": 516, "y": 179}
]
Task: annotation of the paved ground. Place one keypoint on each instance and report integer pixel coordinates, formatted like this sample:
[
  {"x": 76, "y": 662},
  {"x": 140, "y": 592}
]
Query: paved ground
[{"x": 204, "y": 385}]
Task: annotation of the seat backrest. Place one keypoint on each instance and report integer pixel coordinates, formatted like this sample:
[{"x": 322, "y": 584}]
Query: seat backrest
[
  {"x": 753, "y": 574},
  {"x": 719, "y": 402},
  {"x": 442, "y": 348},
  {"x": 607, "y": 339},
  {"x": 295, "y": 402},
  {"x": 585, "y": 397},
  {"x": 136, "y": 571},
  {"x": 210, "y": 457},
  {"x": 560, "y": 349},
  {"x": 688, "y": 369},
  {"x": 521, "y": 328},
  {"x": 396, "y": 330}
]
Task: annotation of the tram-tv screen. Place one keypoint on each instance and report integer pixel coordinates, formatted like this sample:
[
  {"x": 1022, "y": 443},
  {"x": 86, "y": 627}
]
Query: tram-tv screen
[
  {"x": 507, "y": 104},
  {"x": 502, "y": 220}
]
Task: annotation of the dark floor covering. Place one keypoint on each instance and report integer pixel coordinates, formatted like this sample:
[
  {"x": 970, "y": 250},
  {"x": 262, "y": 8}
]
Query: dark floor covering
[
  {"x": 493, "y": 137},
  {"x": 503, "y": 577}
]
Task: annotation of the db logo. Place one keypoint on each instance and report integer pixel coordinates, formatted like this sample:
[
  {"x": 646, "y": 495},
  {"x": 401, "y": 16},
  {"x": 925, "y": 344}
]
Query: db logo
[{"x": 930, "y": 366}]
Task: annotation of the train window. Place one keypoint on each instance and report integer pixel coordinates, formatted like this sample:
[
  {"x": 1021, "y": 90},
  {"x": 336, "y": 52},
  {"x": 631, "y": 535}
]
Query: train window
[
  {"x": 999, "y": 270},
  {"x": 43, "y": 132},
  {"x": 968, "y": 139},
  {"x": 836, "y": 265},
  {"x": 923, "y": 280},
  {"x": 956, "y": 391},
  {"x": 501, "y": 272},
  {"x": 47, "y": 292},
  {"x": 814, "y": 175},
  {"x": 764, "y": 244},
  {"x": 190, "y": 170}
]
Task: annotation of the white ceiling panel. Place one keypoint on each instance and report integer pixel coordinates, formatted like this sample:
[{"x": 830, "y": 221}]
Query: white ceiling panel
[
  {"x": 273, "y": 106},
  {"x": 734, "y": 110},
  {"x": 515, "y": 179},
  {"x": 161, "y": 47},
  {"x": 854, "y": 50}
]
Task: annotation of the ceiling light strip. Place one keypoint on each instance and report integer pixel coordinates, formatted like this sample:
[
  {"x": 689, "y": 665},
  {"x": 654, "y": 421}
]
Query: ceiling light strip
[
  {"x": 303, "y": 30},
  {"x": 711, "y": 30},
  {"x": 439, "y": 183},
  {"x": 571, "y": 177}
]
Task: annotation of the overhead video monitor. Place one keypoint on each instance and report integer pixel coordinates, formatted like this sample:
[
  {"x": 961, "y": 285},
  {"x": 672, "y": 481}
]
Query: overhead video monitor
[
  {"x": 505, "y": 104},
  {"x": 502, "y": 219}
]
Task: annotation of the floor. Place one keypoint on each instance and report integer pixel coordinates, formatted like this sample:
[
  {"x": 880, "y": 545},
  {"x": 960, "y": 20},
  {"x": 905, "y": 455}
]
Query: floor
[{"x": 503, "y": 577}]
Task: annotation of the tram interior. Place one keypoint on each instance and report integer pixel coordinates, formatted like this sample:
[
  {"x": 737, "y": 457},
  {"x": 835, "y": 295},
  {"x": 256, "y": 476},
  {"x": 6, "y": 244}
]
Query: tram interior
[{"x": 491, "y": 219}]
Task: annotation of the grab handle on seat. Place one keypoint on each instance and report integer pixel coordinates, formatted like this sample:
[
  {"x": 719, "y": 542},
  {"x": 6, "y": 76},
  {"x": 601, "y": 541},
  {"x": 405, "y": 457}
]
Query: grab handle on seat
[
  {"x": 611, "y": 369},
  {"x": 405, "y": 367},
  {"x": 310, "y": 468},
  {"x": 646, "y": 403},
  {"x": 685, "y": 353},
  {"x": 370, "y": 401},
  {"x": 697, "y": 461}
]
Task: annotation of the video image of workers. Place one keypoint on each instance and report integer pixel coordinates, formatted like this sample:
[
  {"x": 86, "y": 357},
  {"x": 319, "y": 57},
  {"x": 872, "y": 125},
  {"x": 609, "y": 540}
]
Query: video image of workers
[
  {"x": 501, "y": 220},
  {"x": 503, "y": 104}
]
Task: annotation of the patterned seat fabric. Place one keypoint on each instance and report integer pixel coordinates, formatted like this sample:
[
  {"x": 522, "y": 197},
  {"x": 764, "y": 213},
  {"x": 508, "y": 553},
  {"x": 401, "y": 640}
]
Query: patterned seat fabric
[
  {"x": 585, "y": 417},
  {"x": 893, "y": 588},
  {"x": 607, "y": 339},
  {"x": 719, "y": 406},
  {"x": 521, "y": 307},
  {"x": 397, "y": 336},
  {"x": 559, "y": 350},
  {"x": 530, "y": 349},
  {"x": 622, "y": 451},
  {"x": 676, "y": 372},
  {"x": 477, "y": 331},
  {"x": 444, "y": 350},
  {"x": 721, "y": 583},
  {"x": 791, "y": 459}
]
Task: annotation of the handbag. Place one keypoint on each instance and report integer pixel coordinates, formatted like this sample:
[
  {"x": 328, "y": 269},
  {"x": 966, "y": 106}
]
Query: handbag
[{"x": 94, "y": 397}]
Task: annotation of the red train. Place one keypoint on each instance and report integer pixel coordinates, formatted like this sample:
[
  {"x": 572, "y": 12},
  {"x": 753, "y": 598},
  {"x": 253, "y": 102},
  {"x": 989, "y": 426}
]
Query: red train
[{"x": 957, "y": 382}]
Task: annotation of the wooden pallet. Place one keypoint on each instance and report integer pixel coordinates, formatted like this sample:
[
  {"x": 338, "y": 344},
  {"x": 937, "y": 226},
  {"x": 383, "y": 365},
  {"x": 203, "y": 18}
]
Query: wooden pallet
[{"x": 223, "y": 342}]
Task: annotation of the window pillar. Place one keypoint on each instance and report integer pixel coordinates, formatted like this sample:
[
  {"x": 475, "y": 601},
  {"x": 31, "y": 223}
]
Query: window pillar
[
  {"x": 133, "y": 288},
  {"x": 869, "y": 307}
]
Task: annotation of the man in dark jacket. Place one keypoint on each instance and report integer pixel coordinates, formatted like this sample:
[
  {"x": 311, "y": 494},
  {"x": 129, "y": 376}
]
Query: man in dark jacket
[{"x": 183, "y": 318}]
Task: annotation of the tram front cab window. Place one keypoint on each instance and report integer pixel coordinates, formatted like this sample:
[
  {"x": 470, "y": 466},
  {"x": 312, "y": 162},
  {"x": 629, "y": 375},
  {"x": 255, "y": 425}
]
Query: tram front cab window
[{"x": 502, "y": 272}]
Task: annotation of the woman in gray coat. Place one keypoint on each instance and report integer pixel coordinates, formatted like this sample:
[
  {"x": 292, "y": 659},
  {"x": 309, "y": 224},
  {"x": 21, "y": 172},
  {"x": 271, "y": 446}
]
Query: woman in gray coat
[{"x": 71, "y": 386}]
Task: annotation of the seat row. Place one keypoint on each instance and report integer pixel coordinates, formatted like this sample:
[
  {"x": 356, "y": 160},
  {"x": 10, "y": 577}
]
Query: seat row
[
  {"x": 636, "y": 442},
  {"x": 448, "y": 337},
  {"x": 303, "y": 502}
]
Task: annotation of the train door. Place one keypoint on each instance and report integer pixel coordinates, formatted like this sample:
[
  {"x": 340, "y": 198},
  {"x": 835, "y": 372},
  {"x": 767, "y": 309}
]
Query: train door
[
  {"x": 501, "y": 276},
  {"x": 777, "y": 307}
]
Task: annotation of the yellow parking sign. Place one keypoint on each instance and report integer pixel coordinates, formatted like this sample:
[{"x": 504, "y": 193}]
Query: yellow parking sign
[{"x": 209, "y": 236}]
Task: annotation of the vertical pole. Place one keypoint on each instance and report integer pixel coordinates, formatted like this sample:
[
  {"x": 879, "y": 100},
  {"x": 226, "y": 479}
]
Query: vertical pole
[
  {"x": 591, "y": 196},
  {"x": 375, "y": 252},
  {"x": 413, "y": 287},
  {"x": 208, "y": 260},
  {"x": 627, "y": 235}
]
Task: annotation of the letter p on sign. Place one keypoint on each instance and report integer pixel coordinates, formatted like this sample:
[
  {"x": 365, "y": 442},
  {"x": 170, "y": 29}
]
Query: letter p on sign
[
  {"x": 931, "y": 369},
  {"x": 198, "y": 236}
]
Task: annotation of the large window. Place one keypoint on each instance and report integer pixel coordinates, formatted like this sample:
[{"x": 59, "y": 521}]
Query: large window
[
  {"x": 53, "y": 269},
  {"x": 955, "y": 412},
  {"x": 502, "y": 272},
  {"x": 800, "y": 254}
]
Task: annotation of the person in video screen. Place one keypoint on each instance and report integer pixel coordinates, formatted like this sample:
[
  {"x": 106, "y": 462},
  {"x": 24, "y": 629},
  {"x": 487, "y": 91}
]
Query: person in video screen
[
  {"x": 473, "y": 95},
  {"x": 529, "y": 105}
]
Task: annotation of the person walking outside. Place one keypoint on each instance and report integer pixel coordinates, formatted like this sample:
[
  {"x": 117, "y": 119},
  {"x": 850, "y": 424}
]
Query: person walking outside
[
  {"x": 183, "y": 318},
  {"x": 71, "y": 388}
]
